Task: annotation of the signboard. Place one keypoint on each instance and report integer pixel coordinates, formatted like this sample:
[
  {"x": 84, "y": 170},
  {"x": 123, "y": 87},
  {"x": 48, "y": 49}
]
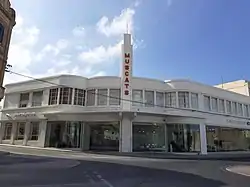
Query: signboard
[
  {"x": 238, "y": 122},
  {"x": 126, "y": 73}
]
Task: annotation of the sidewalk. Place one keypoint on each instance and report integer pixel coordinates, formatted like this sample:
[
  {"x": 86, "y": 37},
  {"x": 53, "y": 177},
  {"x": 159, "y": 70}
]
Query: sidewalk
[{"x": 19, "y": 149}]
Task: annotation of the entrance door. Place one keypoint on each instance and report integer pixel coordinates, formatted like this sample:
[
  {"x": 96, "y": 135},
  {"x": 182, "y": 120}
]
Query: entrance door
[{"x": 104, "y": 137}]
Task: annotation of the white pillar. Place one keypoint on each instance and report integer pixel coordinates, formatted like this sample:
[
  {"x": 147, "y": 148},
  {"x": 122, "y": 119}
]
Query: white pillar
[
  {"x": 13, "y": 132},
  {"x": 203, "y": 139},
  {"x": 125, "y": 143},
  {"x": 85, "y": 137},
  {"x": 42, "y": 133},
  {"x": 26, "y": 133},
  {"x": 2, "y": 130}
]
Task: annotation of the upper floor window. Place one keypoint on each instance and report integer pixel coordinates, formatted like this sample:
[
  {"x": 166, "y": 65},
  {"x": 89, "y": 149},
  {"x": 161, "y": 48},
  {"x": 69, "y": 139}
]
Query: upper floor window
[
  {"x": 234, "y": 108},
  {"x": 214, "y": 104},
  {"x": 102, "y": 96},
  {"x": 149, "y": 98},
  {"x": 221, "y": 106},
  {"x": 183, "y": 98},
  {"x": 24, "y": 100},
  {"x": 194, "y": 100},
  {"x": 114, "y": 96},
  {"x": 65, "y": 95},
  {"x": 240, "y": 110},
  {"x": 37, "y": 98},
  {"x": 1, "y": 33},
  {"x": 7, "y": 131},
  {"x": 246, "y": 110},
  {"x": 137, "y": 97},
  {"x": 170, "y": 99},
  {"x": 207, "y": 104},
  {"x": 159, "y": 99},
  {"x": 91, "y": 97},
  {"x": 79, "y": 97},
  {"x": 229, "y": 107},
  {"x": 53, "y": 96}
]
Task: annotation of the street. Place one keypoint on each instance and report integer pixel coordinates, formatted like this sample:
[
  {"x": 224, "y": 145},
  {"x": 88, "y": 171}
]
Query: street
[{"x": 33, "y": 171}]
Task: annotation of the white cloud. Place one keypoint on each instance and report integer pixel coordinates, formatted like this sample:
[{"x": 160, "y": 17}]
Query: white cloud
[
  {"x": 101, "y": 54},
  {"x": 119, "y": 25},
  {"x": 79, "y": 31},
  {"x": 169, "y": 3}
]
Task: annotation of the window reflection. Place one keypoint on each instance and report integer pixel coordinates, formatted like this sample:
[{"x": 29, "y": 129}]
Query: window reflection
[
  {"x": 148, "y": 137},
  {"x": 227, "y": 139}
]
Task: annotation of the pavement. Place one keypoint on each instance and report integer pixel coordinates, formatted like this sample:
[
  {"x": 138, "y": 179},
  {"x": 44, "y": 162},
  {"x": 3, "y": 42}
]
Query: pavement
[{"x": 72, "y": 169}]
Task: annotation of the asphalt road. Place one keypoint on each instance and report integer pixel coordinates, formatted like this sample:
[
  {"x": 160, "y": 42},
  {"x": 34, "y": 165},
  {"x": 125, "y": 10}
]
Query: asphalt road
[{"x": 32, "y": 171}]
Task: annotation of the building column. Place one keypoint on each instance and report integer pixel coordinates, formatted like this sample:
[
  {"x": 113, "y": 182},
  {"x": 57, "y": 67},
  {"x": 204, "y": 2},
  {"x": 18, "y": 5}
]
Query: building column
[
  {"x": 166, "y": 138},
  {"x": 85, "y": 137},
  {"x": 42, "y": 133},
  {"x": 125, "y": 143},
  {"x": 2, "y": 129},
  {"x": 13, "y": 132},
  {"x": 26, "y": 133},
  {"x": 203, "y": 139}
]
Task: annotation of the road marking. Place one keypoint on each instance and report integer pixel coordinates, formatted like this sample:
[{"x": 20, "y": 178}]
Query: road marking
[
  {"x": 239, "y": 173},
  {"x": 102, "y": 179}
]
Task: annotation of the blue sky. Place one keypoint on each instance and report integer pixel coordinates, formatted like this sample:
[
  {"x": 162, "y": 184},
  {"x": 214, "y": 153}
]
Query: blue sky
[{"x": 203, "y": 40}]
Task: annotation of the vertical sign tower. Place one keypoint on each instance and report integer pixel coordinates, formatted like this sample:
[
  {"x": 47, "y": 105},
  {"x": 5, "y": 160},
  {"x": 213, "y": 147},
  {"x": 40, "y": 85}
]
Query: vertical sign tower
[{"x": 126, "y": 73}]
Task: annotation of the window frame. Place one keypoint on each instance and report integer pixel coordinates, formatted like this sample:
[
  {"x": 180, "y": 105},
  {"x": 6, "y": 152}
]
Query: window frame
[
  {"x": 53, "y": 96},
  {"x": 20, "y": 136},
  {"x": 24, "y": 101},
  {"x": 6, "y": 127},
  {"x": 34, "y": 137},
  {"x": 32, "y": 101}
]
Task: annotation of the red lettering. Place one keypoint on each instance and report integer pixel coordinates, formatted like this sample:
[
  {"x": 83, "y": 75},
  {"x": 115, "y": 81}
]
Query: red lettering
[
  {"x": 126, "y": 67},
  {"x": 126, "y": 92},
  {"x": 126, "y": 85},
  {"x": 126, "y": 73},
  {"x": 126, "y": 61},
  {"x": 127, "y": 55},
  {"x": 126, "y": 79}
]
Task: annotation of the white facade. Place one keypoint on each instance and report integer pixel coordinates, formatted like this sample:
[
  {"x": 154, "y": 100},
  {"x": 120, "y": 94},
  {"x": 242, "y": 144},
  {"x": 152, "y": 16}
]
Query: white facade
[{"x": 101, "y": 100}]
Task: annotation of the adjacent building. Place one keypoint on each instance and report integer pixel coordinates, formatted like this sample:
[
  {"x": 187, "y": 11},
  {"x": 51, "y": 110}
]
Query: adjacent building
[
  {"x": 7, "y": 22},
  {"x": 125, "y": 114},
  {"x": 239, "y": 86}
]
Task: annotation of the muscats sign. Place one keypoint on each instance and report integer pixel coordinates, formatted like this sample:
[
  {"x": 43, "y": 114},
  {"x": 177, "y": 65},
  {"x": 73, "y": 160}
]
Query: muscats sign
[{"x": 126, "y": 73}]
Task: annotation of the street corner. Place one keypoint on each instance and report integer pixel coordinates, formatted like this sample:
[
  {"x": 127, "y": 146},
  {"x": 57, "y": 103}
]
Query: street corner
[{"x": 239, "y": 169}]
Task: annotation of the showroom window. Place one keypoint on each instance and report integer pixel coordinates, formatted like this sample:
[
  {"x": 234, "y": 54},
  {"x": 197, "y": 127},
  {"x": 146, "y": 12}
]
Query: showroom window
[
  {"x": 170, "y": 99},
  {"x": 114, "y": 96},
  {"x": 149, "y": 98},
  {"x": 194, "y": 100},
  {"x": 37, "y": 98},
  {"x": 239, "y": 109},
  {"x": 7, "y": 131},
  {"x": 137, "y": 97},
  {"x": 24, "y": 100},
  {"x": 234, "y": 108},
  {"x": 91, "y": 97},
  {"x": 79, "y": 97},
  {"x": 34, "y": 131},
  {"x": 207, "y": 104},
  {"x": 214, "y": 104},
  {"x": 221, "y": 106},
  {"x": 53, "y": 94},
  {"x": 229, "y": 107},
  {"x": 20, "y": 131},
  {"x": 159, "y": 99},
  {"x": 183, "y": 98},
  {"x": 102, "y": 96},
  {"x": 65, "y": 95},
  {"x": 246, "y": 110}
]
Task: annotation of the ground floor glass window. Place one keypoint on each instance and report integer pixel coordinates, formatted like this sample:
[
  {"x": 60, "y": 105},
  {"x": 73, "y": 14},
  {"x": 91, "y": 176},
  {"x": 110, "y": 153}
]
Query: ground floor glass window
[
  {"x": 148, "y": 137},
  {"x": 20, "y": 131},
  {"x": 7, "y": 131},
  {"x": 227, "y": 139},
  {"x": 34, "y": 131}
]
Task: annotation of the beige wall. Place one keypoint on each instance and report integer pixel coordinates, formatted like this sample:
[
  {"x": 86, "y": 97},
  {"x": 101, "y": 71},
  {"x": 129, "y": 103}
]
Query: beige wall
[{"x": 240, "y": 87}]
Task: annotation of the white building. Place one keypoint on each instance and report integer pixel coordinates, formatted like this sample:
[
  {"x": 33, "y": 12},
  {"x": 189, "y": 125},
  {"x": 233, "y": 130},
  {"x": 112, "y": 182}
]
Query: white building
[{"x": 125, "y": 114}]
